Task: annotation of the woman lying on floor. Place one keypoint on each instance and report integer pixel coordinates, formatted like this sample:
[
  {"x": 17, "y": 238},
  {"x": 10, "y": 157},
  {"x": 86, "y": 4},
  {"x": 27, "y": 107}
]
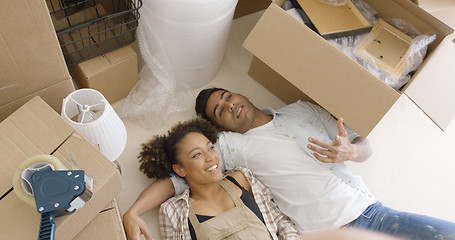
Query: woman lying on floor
[
  {"x": 215, "y": 206},
  {"x": 234, "y": 205}
]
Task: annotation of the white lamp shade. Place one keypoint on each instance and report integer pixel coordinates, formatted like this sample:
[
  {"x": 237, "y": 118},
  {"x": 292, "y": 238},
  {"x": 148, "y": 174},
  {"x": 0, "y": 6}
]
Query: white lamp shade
[{"x": 91, "y": 115}]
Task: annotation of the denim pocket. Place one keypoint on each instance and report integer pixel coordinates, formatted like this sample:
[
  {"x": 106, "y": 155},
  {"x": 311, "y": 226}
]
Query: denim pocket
[{"x": 370, "y": 210}]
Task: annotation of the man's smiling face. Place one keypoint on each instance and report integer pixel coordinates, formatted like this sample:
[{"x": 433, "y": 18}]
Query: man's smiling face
[{"x": 231, "y": 111}]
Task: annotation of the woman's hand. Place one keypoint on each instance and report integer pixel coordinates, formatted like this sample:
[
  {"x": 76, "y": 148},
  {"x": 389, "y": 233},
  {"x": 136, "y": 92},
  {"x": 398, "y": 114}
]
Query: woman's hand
[{"x": 134, "y": 226}]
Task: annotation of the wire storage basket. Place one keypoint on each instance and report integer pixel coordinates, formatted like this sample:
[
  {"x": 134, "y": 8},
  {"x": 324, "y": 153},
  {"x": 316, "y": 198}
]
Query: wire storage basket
[{"x": 89, "y": 28}]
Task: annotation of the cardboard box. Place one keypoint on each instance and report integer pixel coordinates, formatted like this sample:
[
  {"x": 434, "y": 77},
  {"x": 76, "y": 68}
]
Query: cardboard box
[
  {"x": 31, "y": 61},
  {"x": 36, "y": 128},
  {"x": 53, "y": 95},
  {"x": 113, "y": 74},
  {"x": 324, "y": 74},
  {"x": 245, "y": 7},
  {"x": 107, "y": 225}
]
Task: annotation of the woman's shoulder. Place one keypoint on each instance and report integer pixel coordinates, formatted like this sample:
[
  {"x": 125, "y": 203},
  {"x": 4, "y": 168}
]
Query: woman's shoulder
[
  {"x": 240, "y": 176},
  {"x": 176, "y": 202}
]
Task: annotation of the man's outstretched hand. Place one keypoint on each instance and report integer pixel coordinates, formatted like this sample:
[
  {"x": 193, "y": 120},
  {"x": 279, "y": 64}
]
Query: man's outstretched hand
[{"x": 339, "y": 150}]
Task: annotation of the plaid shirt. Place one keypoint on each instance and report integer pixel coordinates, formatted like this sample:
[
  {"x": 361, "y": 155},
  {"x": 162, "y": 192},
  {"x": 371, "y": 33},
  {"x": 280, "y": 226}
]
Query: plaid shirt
[{"x": 173, "y": 214}]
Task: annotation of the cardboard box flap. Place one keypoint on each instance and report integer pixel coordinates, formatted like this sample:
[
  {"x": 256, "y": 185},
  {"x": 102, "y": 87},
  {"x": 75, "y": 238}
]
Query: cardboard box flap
[
  {"x": 294, "y": 60},
  {"x": 424, "y": 16},
  {"x": 433, "y": 87},
  {"x": 31, "y": 58},
  {"x": 25, "y": 135}
]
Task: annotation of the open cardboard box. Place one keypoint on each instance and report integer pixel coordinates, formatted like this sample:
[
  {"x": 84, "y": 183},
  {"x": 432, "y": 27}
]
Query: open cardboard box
[
  {"x": 295, "y": 63},
  {"x": 31, "y": 61},
  {"x": 36, "y": 128}
]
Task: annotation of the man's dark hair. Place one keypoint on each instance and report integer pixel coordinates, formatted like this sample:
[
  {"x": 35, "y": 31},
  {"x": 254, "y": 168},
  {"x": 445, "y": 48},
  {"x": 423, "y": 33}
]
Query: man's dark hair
[{"x": 201, "y": 101}]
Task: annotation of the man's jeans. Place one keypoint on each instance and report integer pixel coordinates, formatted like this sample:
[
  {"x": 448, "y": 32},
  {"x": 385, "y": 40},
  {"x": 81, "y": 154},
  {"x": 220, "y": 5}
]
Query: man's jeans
[{"x": 401, "y": 224}]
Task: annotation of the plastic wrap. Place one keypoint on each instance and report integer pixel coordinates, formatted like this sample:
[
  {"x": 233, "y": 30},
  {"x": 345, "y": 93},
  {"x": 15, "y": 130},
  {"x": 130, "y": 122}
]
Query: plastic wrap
[
  {"x": 182, "y": 44},
  {"x": 413, "y": 57},
  {"x": 287, "y": 5},
  {"x": 367, "y": 11},
  {"x": 156, "y": 95}
]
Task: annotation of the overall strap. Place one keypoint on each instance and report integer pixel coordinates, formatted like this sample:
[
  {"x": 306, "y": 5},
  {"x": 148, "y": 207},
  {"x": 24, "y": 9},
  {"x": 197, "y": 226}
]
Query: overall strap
[
  {"x": 231, "y": 192},
  {"x": 192, "y": 216}
]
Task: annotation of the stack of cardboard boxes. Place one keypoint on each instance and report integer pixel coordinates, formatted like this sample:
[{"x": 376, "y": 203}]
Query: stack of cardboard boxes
[
  {"x": 32, "y": 64},
  {"x": 32, "y": 69},
  {"x": 34, "y": 80}
]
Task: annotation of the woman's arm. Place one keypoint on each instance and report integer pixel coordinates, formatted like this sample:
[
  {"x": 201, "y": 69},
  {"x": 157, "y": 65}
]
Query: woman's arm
[
  {"x": 285, "y": 227},
  {"x": 151, "y": 197},
  {"x": 168, "y": 215}
]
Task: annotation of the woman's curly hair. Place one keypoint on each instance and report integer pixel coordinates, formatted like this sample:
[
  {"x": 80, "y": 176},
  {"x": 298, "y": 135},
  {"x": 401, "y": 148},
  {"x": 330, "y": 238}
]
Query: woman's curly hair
[{"x": 159, "y": 154}]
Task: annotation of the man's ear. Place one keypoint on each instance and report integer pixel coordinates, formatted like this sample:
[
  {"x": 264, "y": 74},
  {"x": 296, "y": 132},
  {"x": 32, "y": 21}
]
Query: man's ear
[{"x": 179, "y": 170}]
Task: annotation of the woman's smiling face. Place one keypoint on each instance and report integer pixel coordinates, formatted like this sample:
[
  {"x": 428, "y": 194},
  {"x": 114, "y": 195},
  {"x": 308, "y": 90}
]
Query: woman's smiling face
[{"x": 198, "y": 161}]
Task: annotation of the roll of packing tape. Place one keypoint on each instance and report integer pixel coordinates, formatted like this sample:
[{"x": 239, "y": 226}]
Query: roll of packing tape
[{"x": 21, "y": 178}]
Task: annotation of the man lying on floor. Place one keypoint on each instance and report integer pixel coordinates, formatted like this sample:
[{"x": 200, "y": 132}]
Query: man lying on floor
[{"x": 298, "y": 152}]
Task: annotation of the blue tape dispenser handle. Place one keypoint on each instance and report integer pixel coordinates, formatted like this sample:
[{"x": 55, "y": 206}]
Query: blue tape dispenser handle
[{"x": 47, "y": 226}]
